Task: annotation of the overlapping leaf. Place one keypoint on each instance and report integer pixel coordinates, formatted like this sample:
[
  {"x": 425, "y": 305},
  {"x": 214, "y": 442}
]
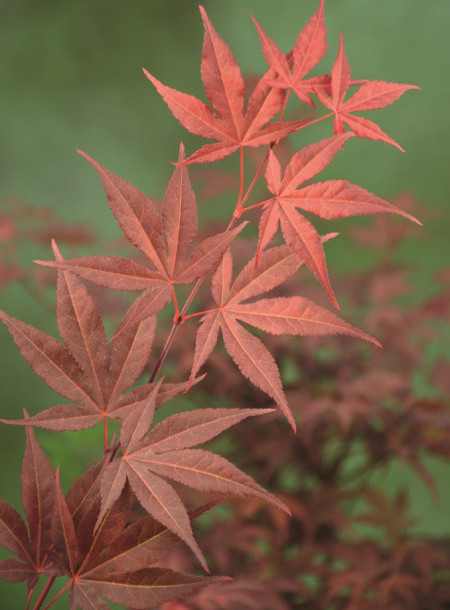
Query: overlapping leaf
[
  {"x": 331, "y": 200},
  {"x": 372, "y": 94},
  {"x": 309, "y": 48},
  {"x": 291, "y": 316},
  {"x": 30, "y": 545},
  {"x": 165, "y": 242},
  {"x": 86, "y": 370},
  {"x": 226, "y": 121},
  {"x": 116, "y": 559},
  {"x": 112, "y": 561},
  {"x": 166, "y": 451}
]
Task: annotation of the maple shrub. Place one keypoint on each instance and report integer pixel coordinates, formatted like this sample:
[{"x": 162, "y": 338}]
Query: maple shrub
[{"x": 109, "y": 536}]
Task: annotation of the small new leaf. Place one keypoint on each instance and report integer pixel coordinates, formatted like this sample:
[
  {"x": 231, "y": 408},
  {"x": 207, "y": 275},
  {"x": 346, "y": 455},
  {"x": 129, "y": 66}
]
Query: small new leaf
[{"x": 372, "y": 94}]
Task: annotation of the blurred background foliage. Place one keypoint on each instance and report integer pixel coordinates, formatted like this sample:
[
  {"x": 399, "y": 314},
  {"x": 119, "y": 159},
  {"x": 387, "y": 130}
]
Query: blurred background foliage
[{"x": 71, "y": 77}]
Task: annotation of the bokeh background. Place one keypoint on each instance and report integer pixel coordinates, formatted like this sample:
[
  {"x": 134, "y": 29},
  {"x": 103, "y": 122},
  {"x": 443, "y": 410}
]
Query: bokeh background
[{"x": 70, "y": 75}]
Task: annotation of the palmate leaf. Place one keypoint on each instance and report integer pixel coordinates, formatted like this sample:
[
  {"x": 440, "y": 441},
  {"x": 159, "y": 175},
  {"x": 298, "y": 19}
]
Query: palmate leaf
[
  {"x": 146, "y": 588},
  {"x": 292, "y": 316},
  {"x": 226, "y": 122},
  {"x": 309, "y": 48},
  {"x": 112, "y": 561},
  {"x": 87, "y": 370},
  {"x": 372, "y": 95},
  {"x": 164, "y": 240},
  {"x": 331, "y": 200},
  {"x": 117, "y": 562},
  {"x": 30, "y": 545},
  {"x": 166, "y": 451}
]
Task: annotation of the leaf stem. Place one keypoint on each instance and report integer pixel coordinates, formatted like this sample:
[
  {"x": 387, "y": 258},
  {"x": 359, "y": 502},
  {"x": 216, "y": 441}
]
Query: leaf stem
[
  {"x": 105, "y": 434},
  {"x": 165, "y": 350},
  {"x": 285, "y": 103},
  {"x": 196, "y": 314},
  {"x": 241, "y": 181},
  {"x": 30, "y": 595},
  {"x": 175, "y": 304},
  {"x": 44, "y": 592},
  {"x": 58, "y": 595},
  {"x": 264, "y": 161},
  {"x": 176, "y": 324},
  {"x": 256, "y": 205}
]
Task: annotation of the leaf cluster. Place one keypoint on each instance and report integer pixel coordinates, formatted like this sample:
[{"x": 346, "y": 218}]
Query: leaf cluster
[{"x": 110, "y": 533}]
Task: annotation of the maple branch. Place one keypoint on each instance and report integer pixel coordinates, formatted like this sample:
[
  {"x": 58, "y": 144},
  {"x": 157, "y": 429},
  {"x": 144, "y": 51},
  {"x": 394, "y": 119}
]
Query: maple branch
[
  {"x": 175, "y": 303},
  {"x": 236, "y": 214},
  {"x": 58, "y": 595},
  {"x": 30, "y": 595},
  {"x": 241, "y": 201},
  {"x": 177, "y": 323},
  {"x": 44, "y": 592},
  {"x": 264, "y": 161},
  {"x": 165, "y": 350}
]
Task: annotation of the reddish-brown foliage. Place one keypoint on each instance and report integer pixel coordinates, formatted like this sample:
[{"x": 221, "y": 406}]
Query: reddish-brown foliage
[{"x": 114, "y": 534}]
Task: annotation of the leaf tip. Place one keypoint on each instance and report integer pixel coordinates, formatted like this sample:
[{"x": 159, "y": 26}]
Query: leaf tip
[
  {"x": 43, "y": 263},
  {"x": 56, "y": 250},
  {"x": 151, "y": 78},
  {"x": 83, "y": 154}
]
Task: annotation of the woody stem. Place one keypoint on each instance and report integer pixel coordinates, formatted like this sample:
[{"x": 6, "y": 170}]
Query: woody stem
[
  {"x": 44, "y": 592},
  {"x": 30, "y": 595},
  {"x": 58, "y": 595}
]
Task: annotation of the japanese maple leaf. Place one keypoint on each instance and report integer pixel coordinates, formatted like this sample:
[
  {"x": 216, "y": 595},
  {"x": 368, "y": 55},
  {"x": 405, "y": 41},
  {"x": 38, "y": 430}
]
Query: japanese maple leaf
[
  {"x": 166, "y": 451},
  {"x": 309, "y": 48},
  {"x": 372, "y": 94},
  {"x": 30, "y": 545},
  {"x": 87, "y": 370},
  {"x": 114, "y": 560},
  {"x": 392, "y": 515},
  {"x": 165, "y": 241},
  {"x": 226, "y": 122},
  {"x": 370, "y": 574},
  {"x": 279, "y": 315},
  {"x": 331, "y": 200}
]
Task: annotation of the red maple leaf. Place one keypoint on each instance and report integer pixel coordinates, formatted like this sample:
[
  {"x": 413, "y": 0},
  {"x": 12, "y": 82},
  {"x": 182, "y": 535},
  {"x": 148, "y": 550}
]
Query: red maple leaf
[
  {"x": 29, "y": 545},
  {"x": 309, "y": 48},
  {"x": 224, "y": 87},
  {"x": 165, "y": 240},
  {"x": 331, "y": 200},
  {"x": 116, "y": 560},
  {"x": 86, "y": 370},
  {"x": 166, "y": 451},
  {"x": 279, "y": 315},
  {"x": 372, "y": 94}
]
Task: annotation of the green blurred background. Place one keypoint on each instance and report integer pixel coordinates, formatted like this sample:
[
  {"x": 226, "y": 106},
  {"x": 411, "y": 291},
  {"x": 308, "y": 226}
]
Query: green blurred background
[{"x": 71, "y": 77}]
